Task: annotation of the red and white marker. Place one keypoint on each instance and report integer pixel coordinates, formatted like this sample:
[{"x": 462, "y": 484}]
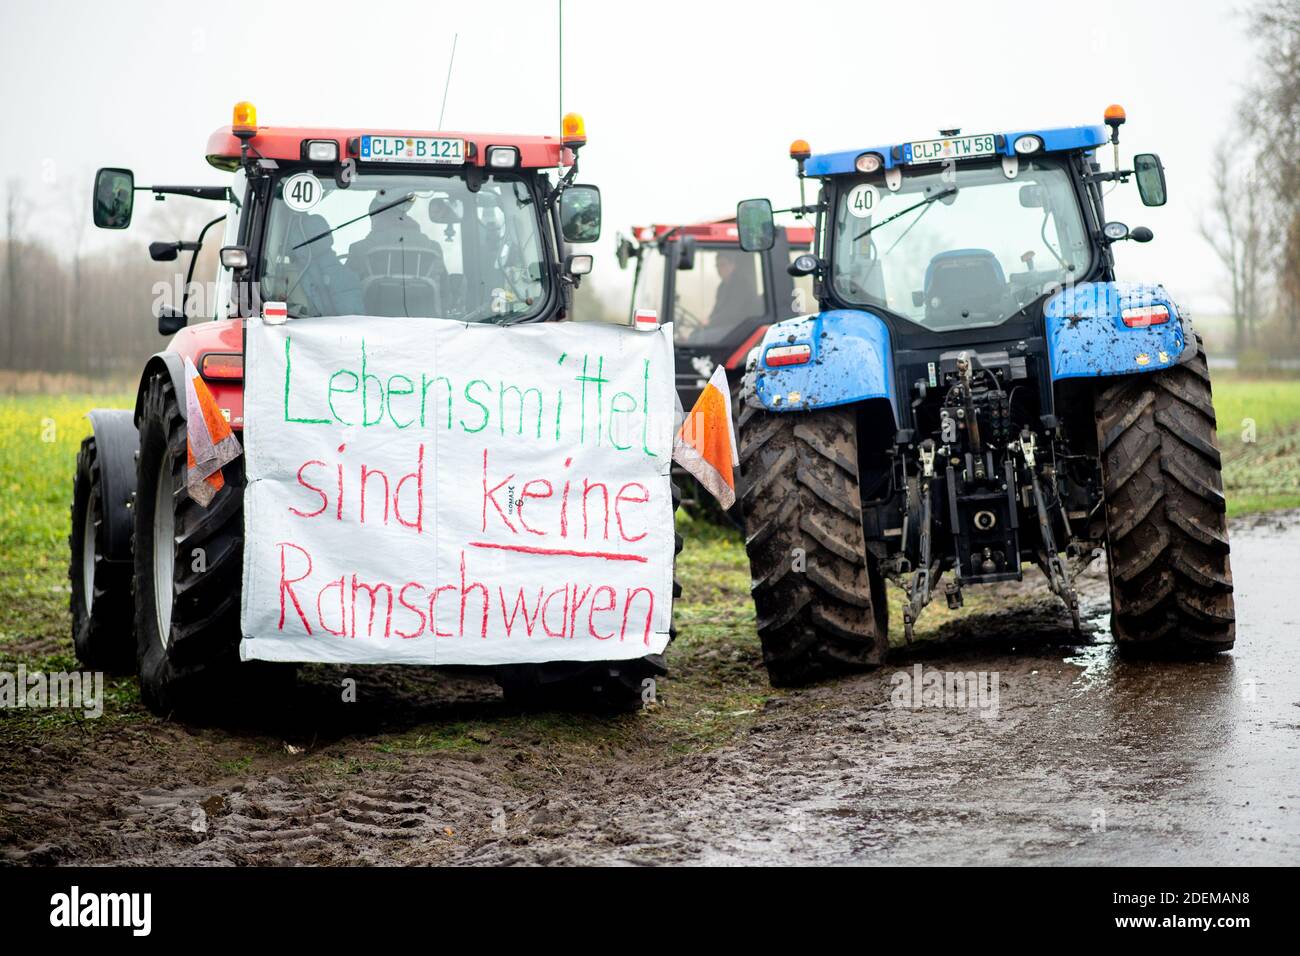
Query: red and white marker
[
  {"x": 274, "y": 313},
  {"x": 646, "y": 320}
]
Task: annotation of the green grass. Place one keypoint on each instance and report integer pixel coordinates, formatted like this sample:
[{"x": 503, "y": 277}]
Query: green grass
[
  {"x": 39, "y": 439},
  {"x": 716, "y": 689},
  {"x": 1259, "y": 432}
]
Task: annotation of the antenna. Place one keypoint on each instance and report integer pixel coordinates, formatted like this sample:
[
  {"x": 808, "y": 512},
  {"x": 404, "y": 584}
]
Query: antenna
[
  {"x": 447, "y": 85},
  {"x": 560, "y": 5}
]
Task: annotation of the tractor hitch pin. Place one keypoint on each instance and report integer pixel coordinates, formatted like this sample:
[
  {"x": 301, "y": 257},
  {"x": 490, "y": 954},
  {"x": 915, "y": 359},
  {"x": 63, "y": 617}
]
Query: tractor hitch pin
[
  {"x": 918, "y": 593},
  {"x": 1058, "y": 575}
]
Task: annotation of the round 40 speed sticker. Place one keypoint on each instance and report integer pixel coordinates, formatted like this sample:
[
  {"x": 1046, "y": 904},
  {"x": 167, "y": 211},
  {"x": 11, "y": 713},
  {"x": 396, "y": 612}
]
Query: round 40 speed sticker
[
  {"x": 862, "y": 200},
  {"x": 301, "y": 191}
]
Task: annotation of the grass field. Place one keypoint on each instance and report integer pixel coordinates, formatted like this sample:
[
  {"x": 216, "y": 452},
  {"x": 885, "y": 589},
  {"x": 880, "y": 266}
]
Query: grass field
[{"x": 714, "y": 657}]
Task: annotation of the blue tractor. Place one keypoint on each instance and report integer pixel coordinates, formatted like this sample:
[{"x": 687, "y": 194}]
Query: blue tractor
[{"x": 977, "y": 392}]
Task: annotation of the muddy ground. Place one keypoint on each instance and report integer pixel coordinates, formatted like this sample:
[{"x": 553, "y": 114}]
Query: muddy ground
[{"x": 1082, "y": 758}]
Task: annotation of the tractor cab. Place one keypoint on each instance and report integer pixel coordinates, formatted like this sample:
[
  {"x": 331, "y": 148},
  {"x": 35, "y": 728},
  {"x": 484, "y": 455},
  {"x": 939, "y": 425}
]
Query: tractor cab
[
  {"x": 473, "y": 227},
  {"x": 720, "y": 298}
]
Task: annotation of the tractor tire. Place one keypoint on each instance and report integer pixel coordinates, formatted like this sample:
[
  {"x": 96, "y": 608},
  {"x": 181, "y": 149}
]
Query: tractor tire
[
  {"x": 100, "y": 602},
  {"x": 1166, "y": 526},
  {"x": 602, "y": 687},
  {"x": 187, "y": 601},
  {"x": 827, "y": 615}
]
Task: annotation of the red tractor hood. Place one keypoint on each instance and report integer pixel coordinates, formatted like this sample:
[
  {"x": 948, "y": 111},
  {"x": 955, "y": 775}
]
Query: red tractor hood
[{"x": 225, "y": 336}]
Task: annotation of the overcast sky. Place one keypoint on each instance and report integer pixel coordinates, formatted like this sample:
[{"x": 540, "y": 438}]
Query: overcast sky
[{"x": 689, "y": 105}]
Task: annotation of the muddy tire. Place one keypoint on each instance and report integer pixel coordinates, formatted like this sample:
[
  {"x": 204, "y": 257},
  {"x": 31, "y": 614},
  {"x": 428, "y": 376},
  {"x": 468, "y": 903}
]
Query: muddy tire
[
  {"x": 801, "y": 497},
  {"x": 187, "y": 619},
  {"x": 606, "y": 687},
  {"x": 100, "y": 602},
  {"x": 1166, "y": 529}
]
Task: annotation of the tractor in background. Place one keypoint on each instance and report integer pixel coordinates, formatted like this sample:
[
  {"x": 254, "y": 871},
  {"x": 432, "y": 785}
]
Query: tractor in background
[{"x": 720, "y": 299}]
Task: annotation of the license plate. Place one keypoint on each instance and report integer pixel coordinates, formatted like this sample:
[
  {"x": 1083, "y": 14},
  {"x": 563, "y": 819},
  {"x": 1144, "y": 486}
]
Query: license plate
[
  {"x": 413, "y": 149},
  {"x": 955, "y": 147}
]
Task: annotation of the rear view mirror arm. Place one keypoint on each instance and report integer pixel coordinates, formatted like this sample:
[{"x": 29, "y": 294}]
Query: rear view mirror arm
[
  {"x": 211, "y": 193},
  {"x": 194, "y": 258}
]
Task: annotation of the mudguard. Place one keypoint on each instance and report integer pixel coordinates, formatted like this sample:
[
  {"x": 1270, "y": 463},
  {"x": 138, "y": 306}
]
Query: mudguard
[
  {"x": 173, "y": 363},
  {"x": 851, "y": 361},
  {"x": 116, "y": 443},
  {"x": 1087, "y": 337}
]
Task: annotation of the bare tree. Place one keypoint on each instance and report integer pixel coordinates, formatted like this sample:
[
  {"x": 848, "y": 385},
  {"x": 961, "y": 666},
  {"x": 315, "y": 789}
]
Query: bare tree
[
  {"x": 1237, "y": 232},
  {"x": 1272, "y": 119},
  {"x": 15, "y": 220}
]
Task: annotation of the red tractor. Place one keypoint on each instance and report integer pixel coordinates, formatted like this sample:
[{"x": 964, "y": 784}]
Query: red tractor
[
  {"x": 720, "y": 300},
  {"x": 472, "y": 227}
]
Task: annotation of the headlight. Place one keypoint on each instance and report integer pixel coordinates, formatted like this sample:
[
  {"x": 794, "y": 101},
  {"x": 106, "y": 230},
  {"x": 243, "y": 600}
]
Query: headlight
[
  {"x": 321, "y": 150},
  {"x": 502, "y": 157},
  {"x": 868, "y": 162},
  {"x": 1028, "y": 144}
]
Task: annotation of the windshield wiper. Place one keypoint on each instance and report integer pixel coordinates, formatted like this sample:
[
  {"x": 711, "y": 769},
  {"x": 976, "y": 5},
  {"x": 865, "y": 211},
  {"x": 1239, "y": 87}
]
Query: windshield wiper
[
  {"x": 409, "y": 197},
  {"x": 941, "y": 194}
]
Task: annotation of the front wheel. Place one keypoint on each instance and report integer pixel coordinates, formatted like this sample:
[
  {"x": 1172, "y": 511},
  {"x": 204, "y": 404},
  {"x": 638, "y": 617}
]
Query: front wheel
[
  {"x": 1166, "y": 524},
  {"x": 188, "y": 579}
]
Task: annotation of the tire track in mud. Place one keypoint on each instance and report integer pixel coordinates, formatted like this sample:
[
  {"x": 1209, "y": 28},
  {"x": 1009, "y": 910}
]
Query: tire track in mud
[{"x": 1090, "y": 759}]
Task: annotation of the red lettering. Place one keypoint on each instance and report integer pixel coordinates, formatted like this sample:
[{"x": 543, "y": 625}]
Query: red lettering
[
  {"x": 418, "y": 475},
  {"x": 372, "y": 591},
  {"x": 627, "y": 606},
  {"x": 519, "y": 508},
  {"x": 564, "y": 612},
  {"x": 587, "y": 488},
  {"x": 366, "y": 474},
  {"x": 401, "y": 597},
  {"x": 433, "y": 602},
  {"x": 286, "y": 584},
  {"x": 464, "y": 593},
  {"x": 529, "y": 622},
  {"x": 592, "y": 611},
  {"x": 491, "y": 496},
  {"x": 324, "y": 498},
  {"x": 320, "y": 613},
  {"x": 620, "y": 498}
]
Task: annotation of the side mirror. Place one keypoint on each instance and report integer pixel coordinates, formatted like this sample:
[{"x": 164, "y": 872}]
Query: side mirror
[
  {"x": 625, "y": 252},
  {"x": 686, "y": 253},
  {"x": 170, "y": 320},
  {"x": 164, "y": 251},
  {"x": 580, "y": 213},
  {"x": 1150, "y": 179},
  {"x": 757, "y": 231},
  {"x": 114, "y": 198}
]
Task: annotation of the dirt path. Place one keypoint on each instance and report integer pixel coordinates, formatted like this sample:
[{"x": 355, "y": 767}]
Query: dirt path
[{"x": 1080, "y": 758}]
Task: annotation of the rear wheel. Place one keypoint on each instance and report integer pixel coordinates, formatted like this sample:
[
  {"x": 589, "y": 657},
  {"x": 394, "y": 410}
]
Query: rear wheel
[
  {"x": 1166, "y": 527},
  {"x": 819, "y": 594},
  {"x": 188, "y": 578},
  {"x": 100, "y": 602}
]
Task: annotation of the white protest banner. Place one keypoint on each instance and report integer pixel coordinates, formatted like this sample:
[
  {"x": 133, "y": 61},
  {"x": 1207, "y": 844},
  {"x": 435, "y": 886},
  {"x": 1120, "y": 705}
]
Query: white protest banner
[{"x": 430, "y": 492}]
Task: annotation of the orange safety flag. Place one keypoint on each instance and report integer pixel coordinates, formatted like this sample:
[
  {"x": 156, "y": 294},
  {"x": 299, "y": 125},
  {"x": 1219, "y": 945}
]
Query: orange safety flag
[
  {"x": 210, "y": 444},
  {"x": 705, "y": 445}
]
